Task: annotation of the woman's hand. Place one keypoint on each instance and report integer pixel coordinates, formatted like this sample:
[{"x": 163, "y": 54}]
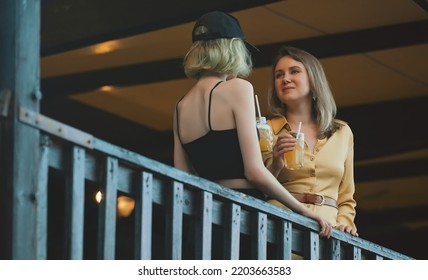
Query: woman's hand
[
  {"x": 325, "y": 226},
  {"x": 347, "y": 229},
  {"x": 284, "y": 143}
]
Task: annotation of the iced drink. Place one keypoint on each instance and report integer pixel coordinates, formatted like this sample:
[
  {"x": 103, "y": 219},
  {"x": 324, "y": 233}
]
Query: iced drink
[
  {"x": 294, "y": 159},
  {"x": 266, "y": 135}
]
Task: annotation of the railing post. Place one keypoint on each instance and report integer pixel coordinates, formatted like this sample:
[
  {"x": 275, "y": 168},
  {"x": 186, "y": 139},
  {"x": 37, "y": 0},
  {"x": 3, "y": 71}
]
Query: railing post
[
  {"x": 204, "y": 226},
  {"x": 284, "y": 236},
  {"x": 19, "y": 143},
  {"x": 143, "y": 217},
  {"x": 259, "y": 242},
  {"x": 75, "y": 204},
  {"x": 334, "y": 249},
  {"x": 311, "y": 246},
  {"x": 107, "y": 212},
  {"x": 232, "y": 232},
  {"x": 174, "y": 222},
  {"x": 356, "y": 253},
  {"x": 42, "y": 201}
]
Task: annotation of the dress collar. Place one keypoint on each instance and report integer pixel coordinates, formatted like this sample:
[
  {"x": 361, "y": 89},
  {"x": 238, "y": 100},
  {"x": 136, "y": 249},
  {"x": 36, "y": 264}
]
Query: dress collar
[{"x": 277, "y": 123}]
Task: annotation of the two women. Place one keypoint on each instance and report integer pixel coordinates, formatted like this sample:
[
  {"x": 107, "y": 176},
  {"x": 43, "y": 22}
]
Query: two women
[{"x": 215, "y": 133}]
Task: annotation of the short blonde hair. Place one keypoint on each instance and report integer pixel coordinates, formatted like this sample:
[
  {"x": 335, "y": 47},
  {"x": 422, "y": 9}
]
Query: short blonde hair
[{"x": 225, "y": 56}]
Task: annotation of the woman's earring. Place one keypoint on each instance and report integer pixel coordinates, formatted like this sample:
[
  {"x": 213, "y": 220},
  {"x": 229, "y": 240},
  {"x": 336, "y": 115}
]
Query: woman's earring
[{"x": 314, "y": 97}]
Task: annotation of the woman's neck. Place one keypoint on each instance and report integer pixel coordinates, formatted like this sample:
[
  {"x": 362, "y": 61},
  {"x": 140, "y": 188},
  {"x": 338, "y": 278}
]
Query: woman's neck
[
  {"x": 210, "y": 75},
  {"x": 295, "y": 117}
]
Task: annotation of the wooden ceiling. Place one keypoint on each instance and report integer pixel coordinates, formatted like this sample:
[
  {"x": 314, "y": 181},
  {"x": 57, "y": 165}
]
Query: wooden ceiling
[{"x": 113, "y": 68}]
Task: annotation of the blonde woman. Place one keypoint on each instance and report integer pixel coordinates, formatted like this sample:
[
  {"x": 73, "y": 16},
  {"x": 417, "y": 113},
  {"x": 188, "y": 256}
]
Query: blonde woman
[{"x": 325, "y": 184}]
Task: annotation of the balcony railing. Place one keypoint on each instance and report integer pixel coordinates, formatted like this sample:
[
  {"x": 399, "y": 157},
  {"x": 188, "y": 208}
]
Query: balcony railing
[{"x": 176, "y": 215}]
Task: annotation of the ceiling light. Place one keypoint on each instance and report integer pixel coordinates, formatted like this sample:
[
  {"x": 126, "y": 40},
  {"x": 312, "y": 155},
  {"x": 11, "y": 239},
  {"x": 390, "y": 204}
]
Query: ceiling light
[{"x": 106, "y": 47}]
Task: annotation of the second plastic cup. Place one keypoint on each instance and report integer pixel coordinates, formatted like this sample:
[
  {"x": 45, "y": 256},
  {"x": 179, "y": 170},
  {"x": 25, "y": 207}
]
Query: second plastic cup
[
  {"x": 266, "y": 135},
  {"x": 295, "y": 159}
]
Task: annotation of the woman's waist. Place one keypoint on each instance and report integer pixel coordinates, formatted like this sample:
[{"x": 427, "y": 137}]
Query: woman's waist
[
  {"x": 243, "y": 186},
  {"x": 237, "y": 184},
  {"x": 308, "y": 188}
]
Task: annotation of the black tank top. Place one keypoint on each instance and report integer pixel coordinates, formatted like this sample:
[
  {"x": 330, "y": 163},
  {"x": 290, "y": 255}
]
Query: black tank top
[{"x": 217, "y": 154}]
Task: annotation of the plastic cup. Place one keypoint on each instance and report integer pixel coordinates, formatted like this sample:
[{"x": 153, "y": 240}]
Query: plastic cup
[
  {"x": 294, "y": 159},
  {"x": 266, "y": 135}
]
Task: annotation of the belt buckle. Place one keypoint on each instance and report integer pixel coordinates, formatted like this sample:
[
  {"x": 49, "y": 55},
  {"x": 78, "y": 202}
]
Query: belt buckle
[{"x": 322, "y": 200}]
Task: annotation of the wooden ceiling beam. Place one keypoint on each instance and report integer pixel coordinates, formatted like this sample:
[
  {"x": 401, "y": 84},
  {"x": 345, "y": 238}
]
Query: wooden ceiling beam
[
  {"x": 405, "y": 34},
  {"x": 71, "y": 24}
]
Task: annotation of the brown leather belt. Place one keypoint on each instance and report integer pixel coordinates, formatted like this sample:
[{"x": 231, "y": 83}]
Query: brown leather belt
[{"x": 315, "y": 198}]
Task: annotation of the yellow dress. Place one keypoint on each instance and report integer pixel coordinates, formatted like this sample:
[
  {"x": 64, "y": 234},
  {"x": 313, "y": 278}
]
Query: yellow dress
[{"x": 328, "y": 171}]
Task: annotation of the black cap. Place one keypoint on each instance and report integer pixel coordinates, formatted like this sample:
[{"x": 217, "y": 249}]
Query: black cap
[{"x": 219, "y": 25}]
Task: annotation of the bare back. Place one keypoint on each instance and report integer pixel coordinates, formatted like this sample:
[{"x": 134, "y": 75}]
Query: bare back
[{"x": 196, "y": 113}]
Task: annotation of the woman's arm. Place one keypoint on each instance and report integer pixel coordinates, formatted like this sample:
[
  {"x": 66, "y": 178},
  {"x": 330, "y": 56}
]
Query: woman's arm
[{"x": 346, "y": 201}]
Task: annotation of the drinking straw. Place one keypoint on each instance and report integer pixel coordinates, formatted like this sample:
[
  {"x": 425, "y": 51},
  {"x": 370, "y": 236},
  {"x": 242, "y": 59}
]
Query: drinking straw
[
  {"x": 258, "y": 107},
  {"x": 298, "y": 130}
]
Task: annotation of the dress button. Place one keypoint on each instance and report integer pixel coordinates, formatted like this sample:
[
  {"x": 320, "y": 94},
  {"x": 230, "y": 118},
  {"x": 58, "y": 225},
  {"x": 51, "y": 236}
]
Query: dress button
[{"x": 312, "y": 158}]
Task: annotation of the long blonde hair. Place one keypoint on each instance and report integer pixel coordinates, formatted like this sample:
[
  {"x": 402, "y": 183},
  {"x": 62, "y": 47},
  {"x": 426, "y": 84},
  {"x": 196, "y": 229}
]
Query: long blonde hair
[{"x": 323, "y": 105}]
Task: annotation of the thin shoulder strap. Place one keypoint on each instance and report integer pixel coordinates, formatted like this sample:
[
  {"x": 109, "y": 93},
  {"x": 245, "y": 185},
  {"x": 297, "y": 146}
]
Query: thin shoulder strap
[
  {"x": 209, "y": 105},
  {"x": 176, "y": 112}
]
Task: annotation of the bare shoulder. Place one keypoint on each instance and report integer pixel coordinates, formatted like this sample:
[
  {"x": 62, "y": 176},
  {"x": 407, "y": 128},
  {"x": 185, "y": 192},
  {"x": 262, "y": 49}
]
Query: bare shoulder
[
  {"x": 241, "y": 84},
  {"x": 240, "y": 88}
]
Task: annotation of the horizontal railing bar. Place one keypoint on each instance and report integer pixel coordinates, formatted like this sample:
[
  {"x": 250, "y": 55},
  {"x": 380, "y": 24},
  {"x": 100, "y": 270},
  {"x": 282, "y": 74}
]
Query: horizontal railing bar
[{"x": 54, "y": 127}]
